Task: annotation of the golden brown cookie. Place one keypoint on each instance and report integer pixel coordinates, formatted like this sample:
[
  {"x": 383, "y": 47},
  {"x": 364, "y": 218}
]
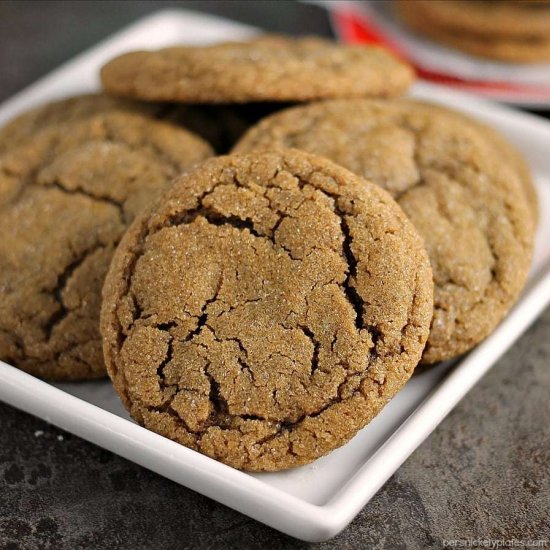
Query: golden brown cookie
[
  {"x": 66, "y": 110},
  {"x": 483, "y": 18},
  {"x": 270, "y": 68},
  {"x": 515, "y": 51},
  {"x": 516, "y": 33},
  {"x": 66, "y": 197},
  {"x": 266, "y": 310},
  {"x": 465, "y": 201}
]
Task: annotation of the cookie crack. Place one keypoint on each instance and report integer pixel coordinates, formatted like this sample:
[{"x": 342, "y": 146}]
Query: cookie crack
[
  {"x": 354, "y": 298},
  {"x": 83, "y": 193},
  {"x": 217, "y": 219},
  {"x": 203, "y": 316},
  {"x": 144, "y": 233},
  {"x": 286, "y": 427},
  {"x": 164, "y": 363},
  {"x": 18, "y": 343},
  {"x": 166, "y": 408},
  {"x": 219, "y": 404},
  {"x": 352, "y": 295},
  {"x": 68, "y": 350},
  {"x": 308, "y": 333},
  {"x": 246, "y": 368},
  {"x": 111, "y": 135},
  {"x": 57, "y": 292}
]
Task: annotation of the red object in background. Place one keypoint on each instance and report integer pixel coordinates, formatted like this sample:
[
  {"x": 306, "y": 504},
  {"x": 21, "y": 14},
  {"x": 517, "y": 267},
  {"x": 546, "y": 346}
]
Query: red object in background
[{"x": 353, "y": 27}]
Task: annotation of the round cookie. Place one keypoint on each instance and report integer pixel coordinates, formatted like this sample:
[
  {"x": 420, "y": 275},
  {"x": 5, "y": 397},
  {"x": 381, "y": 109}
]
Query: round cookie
[
  {"x": 512, "y": 48},
  {"x": 468, "y": 205},
  {"x": 266, "y": 310},
  {"x": 270, "y": 68},
  {"x": 483, "y": 19},
  {"x": 70, "y": 109},
  {"x": 66, "y": 197},
  {"x": 516, "y": 51}
]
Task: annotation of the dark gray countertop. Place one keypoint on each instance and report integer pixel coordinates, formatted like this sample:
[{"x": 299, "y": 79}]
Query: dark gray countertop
[{"x": 484, "y": 473}]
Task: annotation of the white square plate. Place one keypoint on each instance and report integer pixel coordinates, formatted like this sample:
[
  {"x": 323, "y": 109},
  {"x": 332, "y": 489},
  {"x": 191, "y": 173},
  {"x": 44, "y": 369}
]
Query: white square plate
[{"x": 314, "y": 502}]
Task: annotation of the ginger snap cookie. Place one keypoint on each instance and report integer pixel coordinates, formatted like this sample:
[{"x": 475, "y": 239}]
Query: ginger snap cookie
[
  {"x": 466, "y": 202},
  {"x": 270, "y": 68},
  {"x": 486, "y": 18},
  {"x": 66, "y": 197},
  {"x": 508, "y": 31},
  {"x": 65, "y": 110},
  {"x": 530, "y": 50},
  {"x": 266, "y": 309}
]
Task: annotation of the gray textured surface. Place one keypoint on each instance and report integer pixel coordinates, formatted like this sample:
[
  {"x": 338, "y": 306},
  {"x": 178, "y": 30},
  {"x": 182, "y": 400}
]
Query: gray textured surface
[{"x": 485, "y": 472}]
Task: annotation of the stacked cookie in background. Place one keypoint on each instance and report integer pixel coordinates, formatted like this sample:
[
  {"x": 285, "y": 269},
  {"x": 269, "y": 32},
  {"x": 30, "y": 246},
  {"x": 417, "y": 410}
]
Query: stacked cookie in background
[
  {"x": 263, "y": 306},
  {"x": 513, "y": 31}
]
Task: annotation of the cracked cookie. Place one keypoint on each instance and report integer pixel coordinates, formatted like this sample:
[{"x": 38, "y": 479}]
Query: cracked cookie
[
  {"x": 269, "y": 68},
  {"x": 267, "y": 308},
  {"x": 69, "y": 109},
  {"x": 66, "y": 197},
  {"x": 463, "y": 198}
]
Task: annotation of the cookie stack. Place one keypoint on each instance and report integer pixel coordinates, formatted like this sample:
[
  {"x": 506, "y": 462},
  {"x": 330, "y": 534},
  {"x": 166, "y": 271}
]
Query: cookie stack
[
  {"x": 263, "y": 306},
  {"x": 514, "y": 31}
]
